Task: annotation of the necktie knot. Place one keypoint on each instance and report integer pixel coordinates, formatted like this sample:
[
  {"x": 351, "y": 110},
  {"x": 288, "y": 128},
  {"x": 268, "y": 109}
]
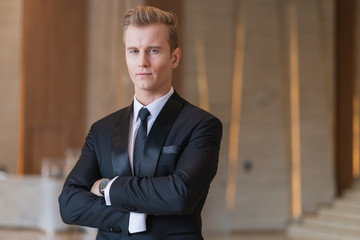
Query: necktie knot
[{"x": 144, "y": 114}]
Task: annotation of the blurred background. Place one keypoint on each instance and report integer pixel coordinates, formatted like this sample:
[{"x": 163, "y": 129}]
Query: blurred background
[{"x": 282, "y": 75}]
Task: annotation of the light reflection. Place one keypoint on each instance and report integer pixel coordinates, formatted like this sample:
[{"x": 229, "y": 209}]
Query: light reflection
[
  {"x": 235, "y": 110},
  {"x": 21, "y": 124},
  {"x": 201, "y": 65},
  {"x": 356, "y": 134},
  {"x": 295, "y": 113}
]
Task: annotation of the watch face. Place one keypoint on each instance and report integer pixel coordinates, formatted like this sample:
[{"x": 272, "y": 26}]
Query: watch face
[{"x": 103, "y": 185}]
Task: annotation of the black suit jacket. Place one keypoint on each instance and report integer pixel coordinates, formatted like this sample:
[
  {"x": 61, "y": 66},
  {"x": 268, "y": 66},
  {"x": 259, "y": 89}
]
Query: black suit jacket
[{"x": 180, "y": 160}]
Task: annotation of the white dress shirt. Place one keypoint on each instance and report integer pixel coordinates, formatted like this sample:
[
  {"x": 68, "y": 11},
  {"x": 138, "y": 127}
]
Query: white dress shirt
[{"x": 137, "y": 221}]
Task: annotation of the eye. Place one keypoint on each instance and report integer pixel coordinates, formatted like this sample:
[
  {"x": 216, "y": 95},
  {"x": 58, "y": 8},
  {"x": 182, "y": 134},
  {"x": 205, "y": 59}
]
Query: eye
[
  {"x": 134, "y": 51},
  {"x": 153, "y": 51}
]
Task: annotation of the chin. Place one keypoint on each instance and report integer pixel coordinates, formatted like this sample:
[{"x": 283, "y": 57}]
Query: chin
[{"x": 145, "y": 88}]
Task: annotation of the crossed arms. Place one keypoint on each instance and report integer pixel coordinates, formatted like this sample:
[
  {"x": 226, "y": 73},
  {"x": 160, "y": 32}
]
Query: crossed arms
[{"x": 175, "y": 194}]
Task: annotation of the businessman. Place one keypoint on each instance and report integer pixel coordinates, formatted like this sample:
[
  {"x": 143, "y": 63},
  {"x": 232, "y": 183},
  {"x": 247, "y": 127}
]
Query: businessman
[{"x": 145, "y": 170}]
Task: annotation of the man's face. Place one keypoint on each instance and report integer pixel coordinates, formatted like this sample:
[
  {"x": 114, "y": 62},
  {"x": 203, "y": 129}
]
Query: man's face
[{"x": 149, "y": 60}]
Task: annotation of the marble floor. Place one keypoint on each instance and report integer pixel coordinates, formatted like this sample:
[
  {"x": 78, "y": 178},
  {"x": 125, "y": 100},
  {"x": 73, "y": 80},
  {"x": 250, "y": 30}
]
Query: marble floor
[{"x": 21, "y": 234}]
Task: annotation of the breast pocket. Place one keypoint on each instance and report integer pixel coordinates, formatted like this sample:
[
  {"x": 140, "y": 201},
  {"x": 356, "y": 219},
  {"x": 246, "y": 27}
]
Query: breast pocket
[
  {"x": 168, "y": 159},
  {"x": 172, "y": 149}
]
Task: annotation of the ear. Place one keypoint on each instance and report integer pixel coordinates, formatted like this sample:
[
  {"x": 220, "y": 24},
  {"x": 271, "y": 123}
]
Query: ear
[{"x": 175, "y": 58}]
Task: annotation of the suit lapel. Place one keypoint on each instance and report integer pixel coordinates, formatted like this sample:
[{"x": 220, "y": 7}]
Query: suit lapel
[
  {"x": 119, "y": 144},
  {"x": 158, "y": 134}
]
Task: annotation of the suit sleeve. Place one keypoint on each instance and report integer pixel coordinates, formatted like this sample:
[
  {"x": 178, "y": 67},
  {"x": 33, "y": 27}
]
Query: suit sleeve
[
  {"x": 81, "y": 207},
  {"x": 180, "y": 192}
]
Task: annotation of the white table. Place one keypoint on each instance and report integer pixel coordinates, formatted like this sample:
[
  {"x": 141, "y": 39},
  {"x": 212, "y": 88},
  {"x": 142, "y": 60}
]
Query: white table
[{"x": 30, "y": 202}]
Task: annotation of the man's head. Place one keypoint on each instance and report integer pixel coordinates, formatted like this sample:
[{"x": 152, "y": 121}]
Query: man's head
[
  {"x": 146, "y": 15},
  {"x": 151, "y": 51}
]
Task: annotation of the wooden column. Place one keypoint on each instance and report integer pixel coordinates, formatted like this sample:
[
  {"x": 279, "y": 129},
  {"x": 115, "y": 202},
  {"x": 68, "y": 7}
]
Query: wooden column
[
  {"x": 345, "y": 52},
  {"x": 53, "y": 80}
]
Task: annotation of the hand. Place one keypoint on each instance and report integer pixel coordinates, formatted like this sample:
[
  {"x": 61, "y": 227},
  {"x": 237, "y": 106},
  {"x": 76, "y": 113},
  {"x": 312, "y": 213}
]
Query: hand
[{"x": 95, "y": 188}]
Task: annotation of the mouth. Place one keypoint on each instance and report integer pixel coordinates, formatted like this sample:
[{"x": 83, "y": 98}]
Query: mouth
[{"x": 143, "y": 74}]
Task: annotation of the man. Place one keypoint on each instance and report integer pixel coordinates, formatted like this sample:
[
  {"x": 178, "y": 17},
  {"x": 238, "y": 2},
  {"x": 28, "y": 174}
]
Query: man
[{"x": 145, "y": 170}]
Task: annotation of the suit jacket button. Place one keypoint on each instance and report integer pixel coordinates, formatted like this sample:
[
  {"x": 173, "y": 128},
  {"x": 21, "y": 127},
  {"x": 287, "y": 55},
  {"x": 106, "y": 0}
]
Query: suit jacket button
[{"x": 111, "y": 229}]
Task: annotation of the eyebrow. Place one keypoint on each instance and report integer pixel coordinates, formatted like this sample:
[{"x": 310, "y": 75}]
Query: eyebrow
[
  {"x": 131, "y": 48},
  {"x": 155, "y": 47}
]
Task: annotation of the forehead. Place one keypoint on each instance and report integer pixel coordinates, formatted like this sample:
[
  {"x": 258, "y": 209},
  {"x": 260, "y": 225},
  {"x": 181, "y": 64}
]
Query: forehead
[{"x": 141, "y": 36}]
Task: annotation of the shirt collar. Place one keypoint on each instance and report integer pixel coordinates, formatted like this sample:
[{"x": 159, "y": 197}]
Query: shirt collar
[{"x": 154, "y": 107}]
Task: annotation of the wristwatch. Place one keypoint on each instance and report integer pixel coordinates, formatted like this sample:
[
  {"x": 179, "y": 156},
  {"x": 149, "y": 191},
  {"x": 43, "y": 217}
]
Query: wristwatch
[{"x": 103, "y": 185}]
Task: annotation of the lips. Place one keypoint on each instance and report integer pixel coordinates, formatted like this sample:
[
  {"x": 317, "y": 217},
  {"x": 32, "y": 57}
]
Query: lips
[{"x": 143, "y": 74}]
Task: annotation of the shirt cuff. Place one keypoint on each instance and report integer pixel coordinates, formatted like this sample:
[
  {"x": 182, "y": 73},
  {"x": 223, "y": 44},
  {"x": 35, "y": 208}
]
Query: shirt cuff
[
  {"x": 137, "y": 222},
  {"x": 107, "y": 192}
]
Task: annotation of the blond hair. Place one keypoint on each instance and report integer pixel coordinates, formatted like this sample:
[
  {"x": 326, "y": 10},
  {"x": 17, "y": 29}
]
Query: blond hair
[{"x": 146, "y": 15}]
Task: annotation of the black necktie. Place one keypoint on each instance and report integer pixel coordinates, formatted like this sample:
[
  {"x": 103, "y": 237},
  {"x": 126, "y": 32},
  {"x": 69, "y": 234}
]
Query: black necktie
[{"x": 140, "y": 140}]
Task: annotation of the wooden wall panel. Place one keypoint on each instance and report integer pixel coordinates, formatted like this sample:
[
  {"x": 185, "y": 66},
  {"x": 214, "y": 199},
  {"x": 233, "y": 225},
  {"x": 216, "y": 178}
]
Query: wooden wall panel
[
  {"x": 54, "y": 79},
  {"x": 10, "y": 39},
  {"x": 345, "y": 50}
]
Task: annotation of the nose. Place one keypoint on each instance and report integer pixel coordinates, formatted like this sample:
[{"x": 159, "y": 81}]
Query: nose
[{"x": 143, "y": 61}]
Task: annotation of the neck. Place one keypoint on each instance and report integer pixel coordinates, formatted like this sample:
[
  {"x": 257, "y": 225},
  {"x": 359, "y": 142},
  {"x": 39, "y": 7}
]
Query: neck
[{"x": 146, "y": 97}]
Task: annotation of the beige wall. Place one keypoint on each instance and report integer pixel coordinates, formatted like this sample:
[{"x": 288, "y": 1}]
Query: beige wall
[
  {"x": 316, "y": 41},
  {"x": 10, "y": 45},
  {"x": 213, "y": 29},
  {"x": 110, "y": 87},
  {"x": 263, "y": 194}
]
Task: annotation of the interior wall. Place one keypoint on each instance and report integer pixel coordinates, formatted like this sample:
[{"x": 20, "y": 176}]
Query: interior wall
[
  {"x": 208, "y": 55},
  {"x": 316, "y": 62},
  {"x": 109, "y": 85},
  {"x": 54, "y": 80},
  {"x": 262, "y": 194},
  {"x": 345, "y": 94},
  {"x": 10, "y": 45}
]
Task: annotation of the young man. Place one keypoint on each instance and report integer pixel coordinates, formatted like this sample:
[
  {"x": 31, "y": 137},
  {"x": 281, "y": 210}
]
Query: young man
[{"x": 145, "y": 170}]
